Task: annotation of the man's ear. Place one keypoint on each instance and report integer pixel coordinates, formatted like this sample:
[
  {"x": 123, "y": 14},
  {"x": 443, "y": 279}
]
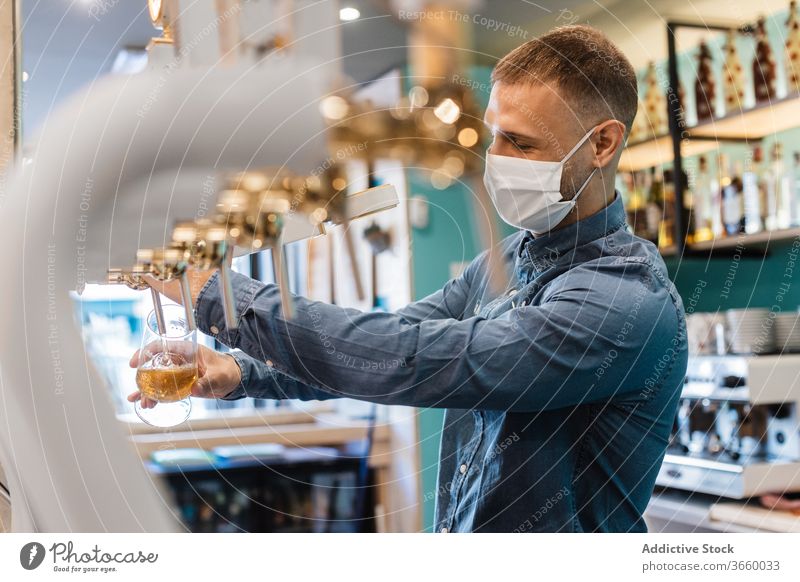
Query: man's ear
[{"x": 608, "y": 139}]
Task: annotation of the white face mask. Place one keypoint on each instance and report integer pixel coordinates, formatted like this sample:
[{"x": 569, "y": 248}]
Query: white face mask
[{"x": 527, "y": 193}]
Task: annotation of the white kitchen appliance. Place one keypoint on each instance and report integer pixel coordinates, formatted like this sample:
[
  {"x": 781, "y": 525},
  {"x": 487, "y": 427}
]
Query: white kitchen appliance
[{"x": 737, "y": 432}]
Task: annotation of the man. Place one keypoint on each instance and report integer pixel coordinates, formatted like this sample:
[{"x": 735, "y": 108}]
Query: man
[{"x": 561, "y": 390}]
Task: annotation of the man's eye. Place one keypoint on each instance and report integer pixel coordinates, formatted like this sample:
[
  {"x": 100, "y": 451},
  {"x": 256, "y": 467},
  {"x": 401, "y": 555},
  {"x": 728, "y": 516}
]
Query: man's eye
[{"x": 518, "y": 144}]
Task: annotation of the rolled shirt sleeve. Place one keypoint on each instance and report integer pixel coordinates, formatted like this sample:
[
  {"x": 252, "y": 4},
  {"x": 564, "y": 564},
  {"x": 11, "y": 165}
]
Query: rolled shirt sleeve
[{"x": 260, "y": 380}]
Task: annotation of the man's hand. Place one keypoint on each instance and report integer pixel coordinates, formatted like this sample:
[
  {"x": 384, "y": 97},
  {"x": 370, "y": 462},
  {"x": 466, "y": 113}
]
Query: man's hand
[
  {"x": 218, "y": 375},
  {"x": 172, "y": 289}
]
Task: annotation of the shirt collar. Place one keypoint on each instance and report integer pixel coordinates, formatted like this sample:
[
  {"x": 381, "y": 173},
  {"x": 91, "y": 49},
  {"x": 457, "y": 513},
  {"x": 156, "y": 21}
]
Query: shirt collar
[{"x": 544, "y": 250}]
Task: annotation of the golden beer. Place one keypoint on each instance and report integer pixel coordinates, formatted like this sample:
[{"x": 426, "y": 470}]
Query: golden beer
[{"x": 167, "y": 384}]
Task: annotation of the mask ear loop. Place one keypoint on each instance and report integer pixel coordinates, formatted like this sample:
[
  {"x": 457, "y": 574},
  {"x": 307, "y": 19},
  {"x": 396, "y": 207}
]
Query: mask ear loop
[
  {"x": 586, "y": 182},
  {"x": 578, "y": 145},
  {"x": 569, "y": 155},
  {"x": 581, "y": 189}
]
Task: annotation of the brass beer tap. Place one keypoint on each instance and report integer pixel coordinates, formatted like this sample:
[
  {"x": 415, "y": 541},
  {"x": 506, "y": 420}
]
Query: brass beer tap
[
  {"x": 207, "y": 245},
  {"x": 168, "y": 264},
  {"x": 253, "y": 209}
]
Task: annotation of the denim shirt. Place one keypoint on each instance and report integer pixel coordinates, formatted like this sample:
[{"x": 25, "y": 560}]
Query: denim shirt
[{"x": 560, "y": 387}]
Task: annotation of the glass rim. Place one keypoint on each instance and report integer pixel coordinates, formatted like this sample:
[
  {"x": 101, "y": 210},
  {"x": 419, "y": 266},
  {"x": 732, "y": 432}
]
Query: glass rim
[{"x": 152, "y": 324}]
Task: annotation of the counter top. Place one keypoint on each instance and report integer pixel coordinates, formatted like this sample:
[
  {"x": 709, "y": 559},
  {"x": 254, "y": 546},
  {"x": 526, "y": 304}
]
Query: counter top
[{"x": 674, "y": 511}]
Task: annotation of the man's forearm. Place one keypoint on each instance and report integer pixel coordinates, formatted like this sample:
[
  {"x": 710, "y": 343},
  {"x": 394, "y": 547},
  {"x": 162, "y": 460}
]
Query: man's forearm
[{"x": 303, "y": 348}]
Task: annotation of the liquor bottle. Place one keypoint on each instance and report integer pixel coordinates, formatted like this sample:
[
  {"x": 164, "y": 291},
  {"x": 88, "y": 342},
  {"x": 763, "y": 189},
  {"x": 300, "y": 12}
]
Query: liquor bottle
[
  {"x": 666, "y": 226},
  {"x": 704, "y": 85},
  {"x": 702, "y": 207},
  {"x": 687, "y": 216},
  {"x": 763, "y": 65},
  {"x": 733, "y": 76},
  {"x": 655, "y": 202},
  {"x": 633, "y": 203},
  {"x": 639, "y": 129},
  {"x": 795, "y": 190},
  {"x": 639, "y": 204},
  {"x": 717, "y": 226},
  {"x": 732, "y": 215},
  {"x": 625, "y": 187},
  {"x": 753, "y": 193},
  {"x": 655, "y": 104},
  {"x": 778, "y": 191},
  {"x": 622, "y": 186},
  {"x": 792, "y": 54},
  {"x": 786, "y": 209}
]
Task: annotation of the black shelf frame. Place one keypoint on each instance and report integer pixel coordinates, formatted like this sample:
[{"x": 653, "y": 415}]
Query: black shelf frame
[{"x": 678, "y": 130}]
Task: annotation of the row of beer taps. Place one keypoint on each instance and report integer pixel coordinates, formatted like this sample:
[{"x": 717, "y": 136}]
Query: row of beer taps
[
  {"x": 434, "y": 128},
  {"x": 250, "y": 213}
]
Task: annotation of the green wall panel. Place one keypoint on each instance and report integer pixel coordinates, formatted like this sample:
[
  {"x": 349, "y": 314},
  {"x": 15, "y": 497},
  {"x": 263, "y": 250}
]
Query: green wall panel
[
  {"x": 739, "y": 280},
  {"x": 450, "y": 237}
]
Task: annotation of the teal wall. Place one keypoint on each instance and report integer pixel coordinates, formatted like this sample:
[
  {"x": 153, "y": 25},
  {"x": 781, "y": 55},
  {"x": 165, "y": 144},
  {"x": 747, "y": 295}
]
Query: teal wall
[
  {"x": 740, "y": 280},
  {"x": 449, "y": 237}
]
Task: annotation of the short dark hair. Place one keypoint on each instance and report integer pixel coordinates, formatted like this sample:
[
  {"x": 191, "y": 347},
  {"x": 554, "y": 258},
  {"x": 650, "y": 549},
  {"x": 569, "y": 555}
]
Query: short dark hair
[{"x": 591, "y": 72}]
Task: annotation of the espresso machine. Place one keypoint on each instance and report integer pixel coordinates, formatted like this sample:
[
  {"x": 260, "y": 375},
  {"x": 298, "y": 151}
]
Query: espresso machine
[
  {"x": 227, "y": 144},
  {"x": 737, "y": 430}
]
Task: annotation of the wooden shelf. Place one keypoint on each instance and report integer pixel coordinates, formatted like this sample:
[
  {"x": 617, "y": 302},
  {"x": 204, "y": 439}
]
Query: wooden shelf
[
  {"x": 669, "y": 251},
  {"x": 764, "y": 119},
  {"x": 746, "y": 240},
  {"x": 658, "y": 151},
  {"x": 327, "y": 430},
  {"x": 759, "y": 241},
  {"x": 233, "y": 419},
  {"x": 753, "y": 124}
]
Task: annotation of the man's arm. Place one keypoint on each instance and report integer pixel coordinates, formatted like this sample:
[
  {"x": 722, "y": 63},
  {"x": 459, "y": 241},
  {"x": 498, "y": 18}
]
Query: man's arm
[
  {"x": 533, "y": 358},
  {"x": 262, "y": 380}
]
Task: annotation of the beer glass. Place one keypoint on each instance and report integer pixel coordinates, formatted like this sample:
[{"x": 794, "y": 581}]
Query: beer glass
[{"x": 167, "y": 367}]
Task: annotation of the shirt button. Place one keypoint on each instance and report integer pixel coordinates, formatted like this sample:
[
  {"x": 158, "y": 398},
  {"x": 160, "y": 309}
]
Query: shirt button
[
  {"x": 463, "y": 469},
  {"x": 269, "y": 363},
  {"x": 443, "y": 530},
  {"x": 214, "y": 329}
]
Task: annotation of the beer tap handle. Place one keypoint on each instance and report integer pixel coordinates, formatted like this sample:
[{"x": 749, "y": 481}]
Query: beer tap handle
[
  {"x": 157, "y": 309},
  {"x": 186, "y": 296},
  {"x": 350, "y": 247},
  {"x": 228, "y": 306},
  {"x": 282, "y": 278}
]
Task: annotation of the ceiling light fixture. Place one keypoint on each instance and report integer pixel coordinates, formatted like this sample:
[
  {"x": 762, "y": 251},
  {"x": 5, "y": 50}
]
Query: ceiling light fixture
[
  {"x": 349, "y": 13},
  {"x": 156, "y": 9}
]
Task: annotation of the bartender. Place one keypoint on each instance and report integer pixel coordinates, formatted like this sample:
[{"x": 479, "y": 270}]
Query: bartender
[{"x": 560, "y": 390}]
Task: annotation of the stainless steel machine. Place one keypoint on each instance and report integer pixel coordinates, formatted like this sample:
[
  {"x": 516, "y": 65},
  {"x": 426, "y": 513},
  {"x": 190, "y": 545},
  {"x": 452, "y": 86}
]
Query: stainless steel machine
[{"x": 737, "y": 431}]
